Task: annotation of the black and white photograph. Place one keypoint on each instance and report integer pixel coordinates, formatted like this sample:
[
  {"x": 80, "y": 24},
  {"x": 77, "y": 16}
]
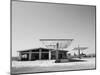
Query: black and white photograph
[{"x": 52, "y": 37}]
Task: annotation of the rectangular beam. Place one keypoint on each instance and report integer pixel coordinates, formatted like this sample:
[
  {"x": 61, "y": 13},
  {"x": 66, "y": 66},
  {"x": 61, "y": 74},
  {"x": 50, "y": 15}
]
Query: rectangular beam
[
  {"x": 55, "y": 39},
  {"x": 35, "y": 52}
]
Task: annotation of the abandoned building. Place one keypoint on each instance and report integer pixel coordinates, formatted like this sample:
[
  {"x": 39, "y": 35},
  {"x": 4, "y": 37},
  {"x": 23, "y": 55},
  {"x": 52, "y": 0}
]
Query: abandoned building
[{"x": 41, "y": 54}]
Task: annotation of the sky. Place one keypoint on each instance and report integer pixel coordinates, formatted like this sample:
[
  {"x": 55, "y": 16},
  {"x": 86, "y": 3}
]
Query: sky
[{"x": 32, "y": 21}]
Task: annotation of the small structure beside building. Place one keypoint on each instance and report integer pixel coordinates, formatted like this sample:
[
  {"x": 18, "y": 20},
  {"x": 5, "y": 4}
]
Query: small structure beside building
[{"x": 41, "y": 54}]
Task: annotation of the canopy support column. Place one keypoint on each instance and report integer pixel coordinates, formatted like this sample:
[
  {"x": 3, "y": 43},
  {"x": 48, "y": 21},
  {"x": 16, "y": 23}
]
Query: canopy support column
[
  {"x": 49, "y": 55},
  {"x": 20, "y": 56},
  {"x": 40, "y": 54},
  {"x": 30, "y": 56}
]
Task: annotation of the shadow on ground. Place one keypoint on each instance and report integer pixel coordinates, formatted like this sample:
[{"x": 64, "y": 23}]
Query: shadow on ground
[{"x": 69, "y": 60}]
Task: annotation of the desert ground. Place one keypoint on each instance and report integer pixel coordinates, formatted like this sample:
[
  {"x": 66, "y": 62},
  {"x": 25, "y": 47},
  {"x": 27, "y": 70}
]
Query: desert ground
[{"x": 50, "y": 65}]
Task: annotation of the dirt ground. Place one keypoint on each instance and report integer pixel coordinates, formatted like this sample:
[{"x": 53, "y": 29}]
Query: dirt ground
[{"x": 49, "y": 65}]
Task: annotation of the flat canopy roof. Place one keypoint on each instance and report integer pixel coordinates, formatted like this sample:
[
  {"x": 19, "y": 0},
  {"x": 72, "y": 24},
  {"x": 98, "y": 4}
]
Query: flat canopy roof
[{"x": 40, "y": 48}]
